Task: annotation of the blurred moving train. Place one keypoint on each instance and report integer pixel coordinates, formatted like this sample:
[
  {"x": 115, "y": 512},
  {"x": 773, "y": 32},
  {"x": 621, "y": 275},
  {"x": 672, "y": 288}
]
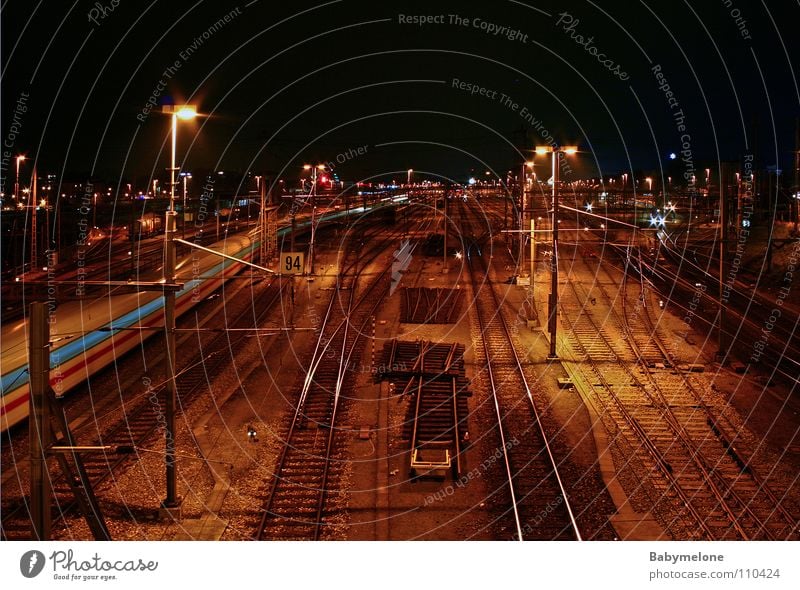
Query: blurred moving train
[{"x": 82, "y": 341}]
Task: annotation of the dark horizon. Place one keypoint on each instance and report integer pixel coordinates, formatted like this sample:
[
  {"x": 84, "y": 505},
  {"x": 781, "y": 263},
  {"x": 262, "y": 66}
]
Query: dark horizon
[{"x": 458, "y": 91}]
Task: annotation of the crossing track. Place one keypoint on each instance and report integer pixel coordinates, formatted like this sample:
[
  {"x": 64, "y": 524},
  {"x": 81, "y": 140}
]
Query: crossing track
[
  {"x": 130, "y": 424},
  {"x": 713, "y": 492},
  {"x": 309, "y": 466}
]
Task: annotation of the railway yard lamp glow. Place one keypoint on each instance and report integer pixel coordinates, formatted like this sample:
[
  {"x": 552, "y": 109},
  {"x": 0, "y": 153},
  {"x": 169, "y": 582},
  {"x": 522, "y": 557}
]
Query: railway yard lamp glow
[
  {"x": 185, "y": 112},
  {"x": 553, "y": 303}
]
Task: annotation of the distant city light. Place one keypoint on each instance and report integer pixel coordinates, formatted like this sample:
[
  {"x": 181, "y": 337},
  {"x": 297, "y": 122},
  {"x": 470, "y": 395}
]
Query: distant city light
[{"x": 672, "y": 156}]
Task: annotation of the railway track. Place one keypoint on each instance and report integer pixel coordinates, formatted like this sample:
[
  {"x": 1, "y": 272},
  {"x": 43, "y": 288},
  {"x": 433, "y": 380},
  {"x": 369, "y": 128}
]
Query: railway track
[
  {"x": 538, "y": 505},
  {"x": 310, "y": 464},
  {"x": 747, "y": 312},
  {"x": 712, "y": 491},
  {"x": 758, "y": 505},
  {"x": 133, "y": 424},
  {"x": 432, "y": 375}
]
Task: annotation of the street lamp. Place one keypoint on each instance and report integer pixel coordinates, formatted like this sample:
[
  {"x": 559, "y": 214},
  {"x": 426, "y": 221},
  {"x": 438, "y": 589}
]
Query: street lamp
[
  {"x": 408, "y": 179},
  {"x": 553, "y": 303},
  {"x": 522, "y": 222},
  {"x": 184, "y": 112},
  {"x": 185, "y": 175},
  {"x": 16, "y": 184},
  {"x": 313, "y": 209},
  {"x": 171, "y": 502}
]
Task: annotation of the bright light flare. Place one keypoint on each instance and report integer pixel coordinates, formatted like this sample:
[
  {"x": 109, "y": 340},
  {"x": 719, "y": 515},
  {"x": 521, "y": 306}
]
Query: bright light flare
[{"x": 186, "y": 112}]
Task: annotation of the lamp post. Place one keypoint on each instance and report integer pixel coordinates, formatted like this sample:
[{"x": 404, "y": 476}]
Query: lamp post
[
  {"x": 185, "y": 176},
  {"x": 553, "y": 303},
  {"x": 171, "y": 502},
  {"x": 313, "y": 210},
  {"x": 523, "y": 204},
  {"x": 16, "y": 184},
  {"x": 408, "y": 178}
]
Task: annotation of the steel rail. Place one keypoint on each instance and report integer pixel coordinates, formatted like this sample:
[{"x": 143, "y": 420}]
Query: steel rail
[{"x": 532, "y": 404}]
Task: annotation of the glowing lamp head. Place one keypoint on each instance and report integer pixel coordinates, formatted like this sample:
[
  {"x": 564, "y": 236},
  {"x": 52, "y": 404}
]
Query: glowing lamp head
[
  {"x": 185, "y": 112},
  {"x": 541, "y": 150},
  {"x": 570, "y": 149}
]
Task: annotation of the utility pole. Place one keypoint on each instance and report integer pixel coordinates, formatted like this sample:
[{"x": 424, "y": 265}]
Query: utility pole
[
  {"x": 552, "y": 320},
  {"x": 171, "y": 502},
  {"x": 313, "y": 216},
  {"x": 39, "y": 427},
  {"x": 263, "y": 224},
  {"x": 444, "y": 220},
  {"x": 216, "y": 200},
  {"x": 33, "y": 203},
  {"x": 533, "y": 270},
  {"x": 522, "y": 224},
  {"x": 722, "y": 345},
  {"x": 796, "y": 193}
]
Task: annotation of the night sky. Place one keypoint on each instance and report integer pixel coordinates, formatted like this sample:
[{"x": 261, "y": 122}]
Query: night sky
[{"x": 285, "y": 83}]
